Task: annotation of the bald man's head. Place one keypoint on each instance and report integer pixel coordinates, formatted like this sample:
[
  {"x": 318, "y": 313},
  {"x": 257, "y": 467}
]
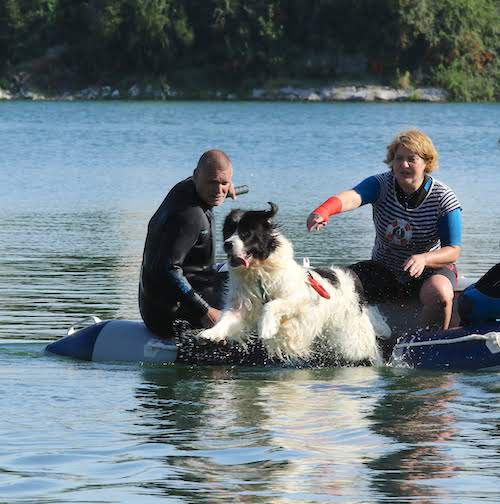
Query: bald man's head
[
  {"x": 212, "y": 177},
  {"x": 214, "y": 159}
]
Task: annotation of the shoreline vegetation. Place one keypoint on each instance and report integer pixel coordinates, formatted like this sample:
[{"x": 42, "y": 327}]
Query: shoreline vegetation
[{"x": 302, "y": 50}]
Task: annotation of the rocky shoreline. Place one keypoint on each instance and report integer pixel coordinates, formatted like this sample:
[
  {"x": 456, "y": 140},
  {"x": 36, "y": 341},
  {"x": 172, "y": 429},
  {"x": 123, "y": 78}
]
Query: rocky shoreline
[{"x": 327, "y": 93}]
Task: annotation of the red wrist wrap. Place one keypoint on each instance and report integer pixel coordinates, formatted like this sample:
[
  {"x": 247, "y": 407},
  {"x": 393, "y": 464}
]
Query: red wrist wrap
[{"x": 330, "y": 207}]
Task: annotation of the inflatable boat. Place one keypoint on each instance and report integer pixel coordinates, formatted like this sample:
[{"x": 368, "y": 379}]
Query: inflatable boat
[
  {"x": 474, "y": 345},
  {"x": 132, "y": 341}
]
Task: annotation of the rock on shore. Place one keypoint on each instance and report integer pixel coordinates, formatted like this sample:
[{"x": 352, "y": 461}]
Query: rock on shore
[
  {"x": 354, "y": 93},
  {"x": 329, "y": 93}
]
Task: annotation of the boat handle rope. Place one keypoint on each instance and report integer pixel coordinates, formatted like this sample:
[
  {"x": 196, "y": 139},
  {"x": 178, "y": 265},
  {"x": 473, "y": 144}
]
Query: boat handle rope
[{"x": 84, "y": 322}]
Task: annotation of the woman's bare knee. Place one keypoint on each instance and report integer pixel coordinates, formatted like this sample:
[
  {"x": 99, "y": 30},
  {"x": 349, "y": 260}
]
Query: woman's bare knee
[{"x": 436, "y": 297}]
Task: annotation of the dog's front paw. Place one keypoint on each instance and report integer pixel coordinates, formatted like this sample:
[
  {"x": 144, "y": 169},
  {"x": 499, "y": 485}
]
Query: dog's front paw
[
  {"x": 212, "y": 334},
  {"x": 269, "y": 325}
]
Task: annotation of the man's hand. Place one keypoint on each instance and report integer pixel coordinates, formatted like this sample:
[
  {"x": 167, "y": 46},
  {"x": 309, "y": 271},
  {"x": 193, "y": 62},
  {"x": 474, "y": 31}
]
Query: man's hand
[
  {"x": 211, "y": 317},
  {"x": 231, "y": 192},
  {"x": 315, "y": 222},
  {"x": 415, "y": 265}
]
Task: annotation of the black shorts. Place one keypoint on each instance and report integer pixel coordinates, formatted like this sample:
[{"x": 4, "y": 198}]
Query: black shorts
[{"x": 381, "y": 284}]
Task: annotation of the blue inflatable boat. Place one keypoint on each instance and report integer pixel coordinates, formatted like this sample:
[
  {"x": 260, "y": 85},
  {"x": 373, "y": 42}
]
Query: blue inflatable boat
[
  {"x": 132, "y": 341},
  {"x": 114, "y": 340},
  {"x": 465, "y": 348},
  {"x": 473, "y": 346}
]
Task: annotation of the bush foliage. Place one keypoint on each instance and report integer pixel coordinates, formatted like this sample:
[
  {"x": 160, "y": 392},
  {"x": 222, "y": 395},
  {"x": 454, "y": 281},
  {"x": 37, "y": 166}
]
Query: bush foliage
[{"x": 452, "y": 43}]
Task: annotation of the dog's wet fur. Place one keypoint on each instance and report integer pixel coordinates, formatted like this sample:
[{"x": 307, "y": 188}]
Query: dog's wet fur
[
  {"x": 330, "y": 275},
  {"x": 258, "y": 232},
  {"x": 272, "y": 304}
]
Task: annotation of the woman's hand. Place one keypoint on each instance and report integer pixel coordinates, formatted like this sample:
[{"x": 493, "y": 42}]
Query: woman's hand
[
  {"x": 415, "y": 265},
  {"x": 315, "y": 222}
]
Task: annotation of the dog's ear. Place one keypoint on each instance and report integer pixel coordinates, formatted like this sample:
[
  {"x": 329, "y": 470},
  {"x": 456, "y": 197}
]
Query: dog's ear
[
  {"x": 231, "y": 222},
  {"x": 263, "y": 216},
  {"x": 272, "y": 211},
  {"x": 235, "y": 215}
]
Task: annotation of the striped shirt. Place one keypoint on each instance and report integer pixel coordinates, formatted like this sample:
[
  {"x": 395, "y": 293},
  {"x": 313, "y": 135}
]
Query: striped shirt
[{"x": 402, "y": 232}]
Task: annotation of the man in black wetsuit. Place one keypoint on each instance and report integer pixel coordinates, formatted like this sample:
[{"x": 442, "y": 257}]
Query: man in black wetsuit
[{"x": 178, "y": 265}]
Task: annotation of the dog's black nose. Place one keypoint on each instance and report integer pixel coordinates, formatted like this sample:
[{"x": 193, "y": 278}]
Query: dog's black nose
[{"x": 228, "y": 246}]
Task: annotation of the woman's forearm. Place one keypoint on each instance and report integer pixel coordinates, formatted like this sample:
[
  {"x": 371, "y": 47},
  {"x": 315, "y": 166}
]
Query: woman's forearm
[
  {"x": 442, "y": 257},
  {"x": 342, "y": 202}
]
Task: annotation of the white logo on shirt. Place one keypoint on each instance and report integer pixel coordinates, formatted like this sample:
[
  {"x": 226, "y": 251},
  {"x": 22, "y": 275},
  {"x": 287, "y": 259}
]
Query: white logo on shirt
[{"x": 399, "y": 232}]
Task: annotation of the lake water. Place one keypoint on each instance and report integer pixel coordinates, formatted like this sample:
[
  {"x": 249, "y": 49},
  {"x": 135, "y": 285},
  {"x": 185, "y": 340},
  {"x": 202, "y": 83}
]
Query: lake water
[{"x": 78, "y": 183}]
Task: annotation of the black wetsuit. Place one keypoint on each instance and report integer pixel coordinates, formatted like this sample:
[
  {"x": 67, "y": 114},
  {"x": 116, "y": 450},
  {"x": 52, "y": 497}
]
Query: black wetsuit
[{"x": 178, "y": 273}]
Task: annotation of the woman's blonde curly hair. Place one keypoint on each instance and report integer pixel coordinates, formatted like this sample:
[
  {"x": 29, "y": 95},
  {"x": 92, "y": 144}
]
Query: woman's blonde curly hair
[{"x": 419, "y": 143}]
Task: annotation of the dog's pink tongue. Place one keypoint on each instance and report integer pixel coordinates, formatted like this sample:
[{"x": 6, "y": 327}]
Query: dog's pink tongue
[{"x": 241, "y": 261}]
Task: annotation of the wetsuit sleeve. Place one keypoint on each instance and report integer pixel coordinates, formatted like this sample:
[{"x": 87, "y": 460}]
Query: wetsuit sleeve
[
  {"x": 369, "y": 190},
  {"x": 181, "y": 232},
  {"x": 450, "y": 228}
]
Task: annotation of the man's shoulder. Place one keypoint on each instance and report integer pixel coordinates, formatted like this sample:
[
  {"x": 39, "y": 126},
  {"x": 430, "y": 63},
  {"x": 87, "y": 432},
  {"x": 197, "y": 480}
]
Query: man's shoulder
[
  {"x": 182, "y": 191},
  {"x": 181, "y": 203},
  {"x": 183, "y": 198}
]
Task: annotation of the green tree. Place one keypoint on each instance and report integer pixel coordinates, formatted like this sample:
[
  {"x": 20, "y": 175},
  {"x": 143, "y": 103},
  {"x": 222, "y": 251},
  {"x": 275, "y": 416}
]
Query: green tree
[
  {"x": 239, "y": 38},
  {"x": 26, "y": 28},
  {"x": 11, "y": 25},
  {"x": 154, "y": 34},
  {"x": 454, "y": 42},
  {"x": 110, "y": 36}
]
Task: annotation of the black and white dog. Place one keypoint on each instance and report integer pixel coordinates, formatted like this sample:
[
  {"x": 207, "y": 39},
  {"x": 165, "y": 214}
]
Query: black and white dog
[{"x": 293, "y": 308}]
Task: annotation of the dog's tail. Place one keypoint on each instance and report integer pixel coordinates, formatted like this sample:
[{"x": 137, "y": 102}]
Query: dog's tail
[{"x": 380, "y": 326}]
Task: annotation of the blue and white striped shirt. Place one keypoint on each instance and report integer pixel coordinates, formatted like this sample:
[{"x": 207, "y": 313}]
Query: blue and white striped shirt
[{"x": 402, "y": 232}]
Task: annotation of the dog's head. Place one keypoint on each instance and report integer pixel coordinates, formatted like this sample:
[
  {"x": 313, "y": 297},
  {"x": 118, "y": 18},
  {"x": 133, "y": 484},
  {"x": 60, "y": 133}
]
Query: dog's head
[{"x": 250, "y": 235}]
